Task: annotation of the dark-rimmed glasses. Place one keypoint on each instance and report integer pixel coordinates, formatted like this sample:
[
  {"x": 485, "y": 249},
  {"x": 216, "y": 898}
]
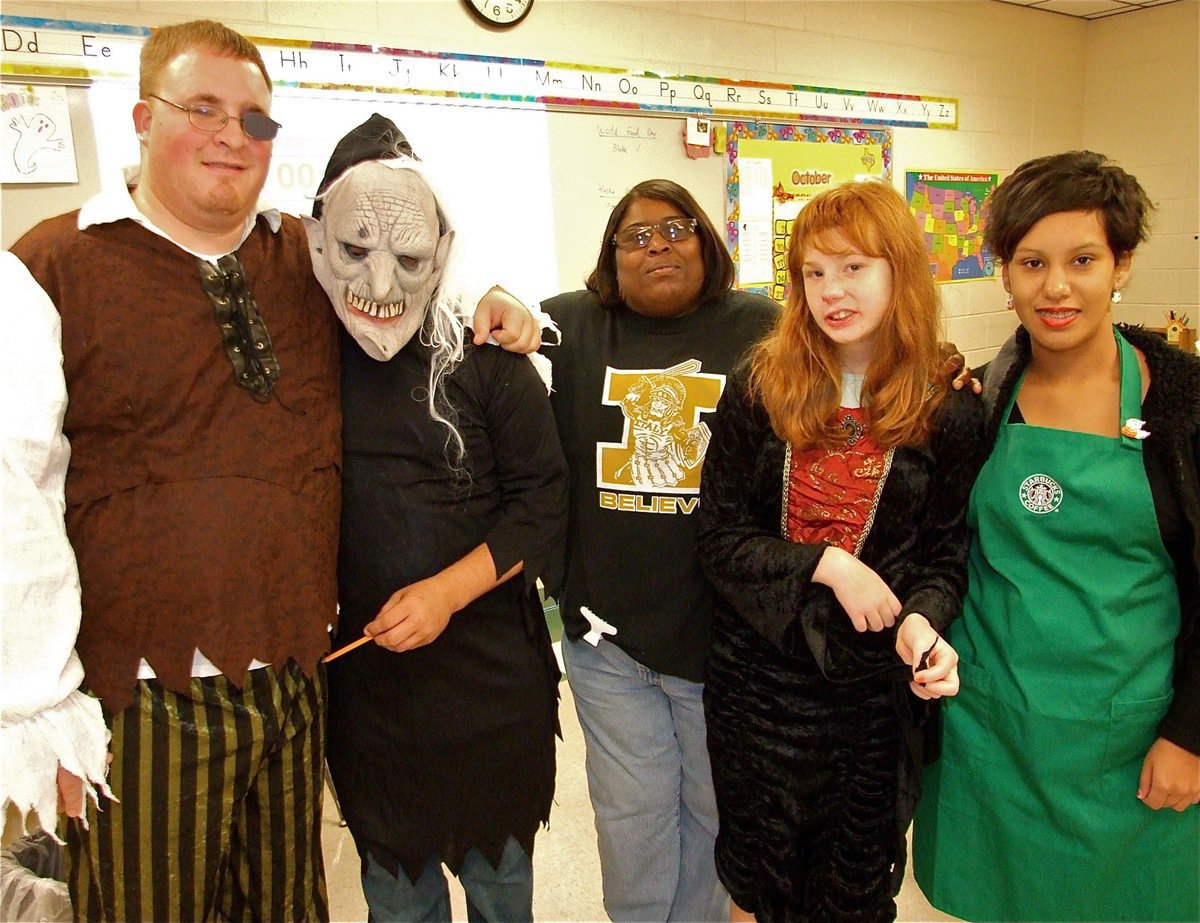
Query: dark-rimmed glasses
[
  {"x": 638, "y": 236},
  {"x": 256, "y": 125}
]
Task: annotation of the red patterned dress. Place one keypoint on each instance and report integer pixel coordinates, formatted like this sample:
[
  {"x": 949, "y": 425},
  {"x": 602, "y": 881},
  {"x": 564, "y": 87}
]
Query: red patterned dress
[{"x": 832, "y": 494}]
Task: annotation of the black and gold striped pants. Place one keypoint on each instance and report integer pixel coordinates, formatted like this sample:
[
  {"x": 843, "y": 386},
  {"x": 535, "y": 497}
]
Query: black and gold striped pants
[{"x": 219, "y": 812}]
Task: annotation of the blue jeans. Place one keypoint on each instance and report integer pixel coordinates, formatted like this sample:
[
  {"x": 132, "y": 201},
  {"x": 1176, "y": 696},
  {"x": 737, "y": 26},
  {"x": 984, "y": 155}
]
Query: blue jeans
[
  {"x": 651, "y": 786},
  {"x": 494, "y": 895}
]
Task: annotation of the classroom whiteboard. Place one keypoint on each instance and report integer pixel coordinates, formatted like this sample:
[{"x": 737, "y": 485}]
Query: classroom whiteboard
[
  {"x": 529, "y": 190},
  {"x": 536, "y": 152},
  {"x": 596, "y": 159}
]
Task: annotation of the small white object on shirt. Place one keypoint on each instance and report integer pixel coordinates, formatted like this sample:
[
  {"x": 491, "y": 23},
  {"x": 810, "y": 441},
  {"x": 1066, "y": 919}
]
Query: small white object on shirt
[
  {"x": 1135, "y": 429},
  {"x": 599, "y": 628}
]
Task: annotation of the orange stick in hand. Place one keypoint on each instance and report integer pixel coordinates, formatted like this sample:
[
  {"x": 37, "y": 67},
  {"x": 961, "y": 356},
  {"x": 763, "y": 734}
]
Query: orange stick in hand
[{"x": 348, "y": 648}]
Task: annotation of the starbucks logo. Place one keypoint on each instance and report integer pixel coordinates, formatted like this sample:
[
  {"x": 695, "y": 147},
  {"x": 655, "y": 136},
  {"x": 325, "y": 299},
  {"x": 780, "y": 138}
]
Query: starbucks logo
[{"x": 1040, "y": 493}]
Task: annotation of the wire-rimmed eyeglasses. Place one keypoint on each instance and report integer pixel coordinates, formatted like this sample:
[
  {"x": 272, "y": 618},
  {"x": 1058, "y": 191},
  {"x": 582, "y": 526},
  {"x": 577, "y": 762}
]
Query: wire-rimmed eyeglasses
[
  {"x": 257, "y": 125},
  {"x": 638, "y": 236}
]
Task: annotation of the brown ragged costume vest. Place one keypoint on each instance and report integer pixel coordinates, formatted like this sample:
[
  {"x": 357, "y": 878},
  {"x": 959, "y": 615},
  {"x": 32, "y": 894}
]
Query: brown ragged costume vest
[{"x": 201, "y": 517}]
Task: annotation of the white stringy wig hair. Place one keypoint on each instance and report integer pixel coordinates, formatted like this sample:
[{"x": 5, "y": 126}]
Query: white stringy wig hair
[{"x": 442, "y": 329}]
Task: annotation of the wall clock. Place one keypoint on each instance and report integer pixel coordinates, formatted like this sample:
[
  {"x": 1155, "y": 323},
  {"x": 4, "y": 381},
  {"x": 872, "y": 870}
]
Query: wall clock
[{"x": 500, "y": 13}]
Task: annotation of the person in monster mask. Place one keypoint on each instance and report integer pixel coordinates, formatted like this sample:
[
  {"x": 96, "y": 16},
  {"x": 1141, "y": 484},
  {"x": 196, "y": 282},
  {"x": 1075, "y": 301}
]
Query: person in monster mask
[{"x": 441, "y": 732}]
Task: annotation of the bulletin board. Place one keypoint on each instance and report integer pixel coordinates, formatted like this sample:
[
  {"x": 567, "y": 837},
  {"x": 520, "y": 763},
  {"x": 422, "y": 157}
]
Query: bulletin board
[{"x": 772, "y": 171}]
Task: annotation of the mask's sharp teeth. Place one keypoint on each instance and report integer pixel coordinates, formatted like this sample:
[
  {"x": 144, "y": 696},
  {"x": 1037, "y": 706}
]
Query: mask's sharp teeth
[{"x": 374, "y": 308}]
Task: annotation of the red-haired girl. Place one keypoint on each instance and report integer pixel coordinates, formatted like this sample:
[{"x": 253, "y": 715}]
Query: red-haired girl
[{"x": 832, "y": 525}]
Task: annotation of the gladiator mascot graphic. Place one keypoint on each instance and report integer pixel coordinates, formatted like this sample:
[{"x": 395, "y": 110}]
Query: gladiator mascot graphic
[{"x": 664, "y": 446}]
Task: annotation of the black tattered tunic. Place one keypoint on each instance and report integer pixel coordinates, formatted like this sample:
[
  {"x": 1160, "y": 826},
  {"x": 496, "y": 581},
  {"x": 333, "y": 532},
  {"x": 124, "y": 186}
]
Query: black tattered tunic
[{"x": 451, "y": 746}]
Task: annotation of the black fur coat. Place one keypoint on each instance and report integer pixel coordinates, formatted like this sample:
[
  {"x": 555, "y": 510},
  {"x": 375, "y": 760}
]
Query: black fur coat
[{"x": 786, "y": 665}]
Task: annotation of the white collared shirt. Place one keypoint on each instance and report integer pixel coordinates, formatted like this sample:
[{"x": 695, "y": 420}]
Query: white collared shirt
[{"x": 114, "y": 203}]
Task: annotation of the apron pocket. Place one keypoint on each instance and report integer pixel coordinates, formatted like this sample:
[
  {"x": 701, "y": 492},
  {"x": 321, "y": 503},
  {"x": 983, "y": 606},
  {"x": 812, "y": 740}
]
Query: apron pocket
[
  {"x": 968, "y": 720},
  {"x": 1132, "y": 728}
]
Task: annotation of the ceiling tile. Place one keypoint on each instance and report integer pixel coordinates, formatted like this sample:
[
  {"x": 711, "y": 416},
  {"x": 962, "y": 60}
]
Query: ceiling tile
[
  {"x": 1088, "y": 9},
  {"x": 1083, "y": 8}
]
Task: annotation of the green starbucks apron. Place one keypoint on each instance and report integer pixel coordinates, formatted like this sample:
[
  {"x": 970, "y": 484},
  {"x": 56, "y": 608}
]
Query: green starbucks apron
[{"x": 1066, "y": 646}]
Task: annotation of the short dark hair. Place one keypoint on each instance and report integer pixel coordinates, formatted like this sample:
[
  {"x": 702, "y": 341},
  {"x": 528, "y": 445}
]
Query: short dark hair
[
  {"x": 718, "y": 266},
  {"x": 169, "y": 42},
  {"x": 1075, "y": 181}
]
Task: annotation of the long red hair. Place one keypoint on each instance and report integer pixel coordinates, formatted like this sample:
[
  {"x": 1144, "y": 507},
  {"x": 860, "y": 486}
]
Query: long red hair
[{"x": 796, "y": 372}]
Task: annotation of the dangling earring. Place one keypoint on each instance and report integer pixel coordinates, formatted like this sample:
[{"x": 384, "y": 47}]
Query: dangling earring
[
  {"x": 1008, "y": 302},
  {"x": 1116, "y": 296}
]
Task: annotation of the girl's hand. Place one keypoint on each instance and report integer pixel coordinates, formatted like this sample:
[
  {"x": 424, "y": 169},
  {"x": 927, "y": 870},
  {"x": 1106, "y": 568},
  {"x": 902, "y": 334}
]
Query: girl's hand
[
  {"x": 1170, "y": 777},
  {"x": 916, "y": 639},
  {"x": 414, "y": 616},
  {"x": 868, "y": 601}
]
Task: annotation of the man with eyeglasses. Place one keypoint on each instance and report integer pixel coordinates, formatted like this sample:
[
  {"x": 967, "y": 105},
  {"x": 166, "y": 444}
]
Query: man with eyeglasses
[
  {"x": 201, "y": 366},
  {"x": 256, "y": 125}
]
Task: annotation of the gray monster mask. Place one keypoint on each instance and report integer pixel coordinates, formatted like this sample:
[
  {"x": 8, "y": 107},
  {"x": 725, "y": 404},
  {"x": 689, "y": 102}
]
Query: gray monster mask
[{"x": 379, "y": 251}]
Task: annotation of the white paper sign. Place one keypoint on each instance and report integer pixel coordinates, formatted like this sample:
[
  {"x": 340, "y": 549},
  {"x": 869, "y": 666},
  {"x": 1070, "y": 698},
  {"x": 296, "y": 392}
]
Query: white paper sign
[
  {"x": 755, "y": 239},
  {"x": 755, "y": 178},
  {"x": 38, "y": 145}
]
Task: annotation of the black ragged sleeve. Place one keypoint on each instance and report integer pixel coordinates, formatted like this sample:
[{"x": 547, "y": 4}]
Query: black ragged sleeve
[{"x": 530, "y": 467}]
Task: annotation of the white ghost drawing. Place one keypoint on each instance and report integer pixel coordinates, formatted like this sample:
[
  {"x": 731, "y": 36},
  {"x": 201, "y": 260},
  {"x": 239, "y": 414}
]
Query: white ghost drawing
[{"x": 37, "y": 135}]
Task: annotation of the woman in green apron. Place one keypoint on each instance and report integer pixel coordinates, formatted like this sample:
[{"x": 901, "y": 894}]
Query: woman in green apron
[{"x": 1069, "y": 776}]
